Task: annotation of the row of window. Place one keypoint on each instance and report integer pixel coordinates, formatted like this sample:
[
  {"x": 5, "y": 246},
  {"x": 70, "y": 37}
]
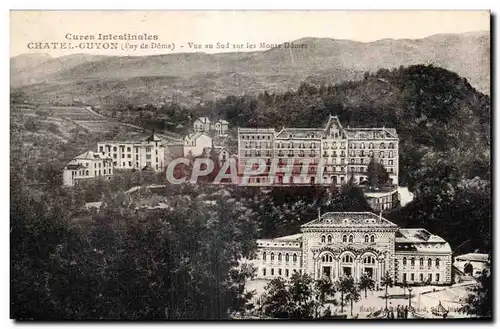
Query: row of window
[
  {"x": 429, "y": 262},
  {"x": 421, "y": 277},
  {"x": 328, "y": 238},
  {"x": 287, "y": 257},
  {"x": 87, "y": 173},
  {"x": 129, "y": 149},
  {"x": 255, "y": 137},
  {"x": 279, "y": 272}
]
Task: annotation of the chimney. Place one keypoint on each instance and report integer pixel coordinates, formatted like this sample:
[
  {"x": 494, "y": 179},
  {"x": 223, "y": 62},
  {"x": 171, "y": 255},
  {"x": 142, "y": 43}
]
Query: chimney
[
  {"x": 319, "y": 213},
  {"x": 380, "y": 216}
]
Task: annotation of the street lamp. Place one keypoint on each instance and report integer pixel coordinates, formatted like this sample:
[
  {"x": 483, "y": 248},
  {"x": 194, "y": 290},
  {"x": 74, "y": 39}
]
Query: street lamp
[{"x": 409, "y": 297}]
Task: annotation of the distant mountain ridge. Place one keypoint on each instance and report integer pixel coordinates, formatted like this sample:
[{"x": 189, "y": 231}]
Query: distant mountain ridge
[{"x": 185, "y": 76}]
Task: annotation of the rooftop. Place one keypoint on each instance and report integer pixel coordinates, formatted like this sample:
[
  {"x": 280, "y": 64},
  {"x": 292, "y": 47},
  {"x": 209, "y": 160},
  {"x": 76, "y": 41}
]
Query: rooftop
[
  {"x": 195, "y": 135},
  {"x": 349, "y": 219},
  {"x": 89, "y": 155},
  {"x": 74, "y": 167},
  {"x": 421, "y": 240},
  {"x": 474, "y": 257}
]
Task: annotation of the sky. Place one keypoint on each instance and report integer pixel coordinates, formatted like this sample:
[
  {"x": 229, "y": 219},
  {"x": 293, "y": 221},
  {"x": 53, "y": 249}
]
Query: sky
[{"x": 176, "y": 29}]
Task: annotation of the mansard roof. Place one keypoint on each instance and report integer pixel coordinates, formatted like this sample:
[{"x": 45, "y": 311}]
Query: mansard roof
[
  {"x": 298, "y": 133},
  {"x": 340, "y": 219},
  {"x": 371, "y": 133},
  {"x": 421, "y": 240}
]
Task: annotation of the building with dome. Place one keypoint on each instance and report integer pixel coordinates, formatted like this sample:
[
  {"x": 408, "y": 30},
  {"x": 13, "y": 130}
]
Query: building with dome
[{"x": 339, "y": 244}]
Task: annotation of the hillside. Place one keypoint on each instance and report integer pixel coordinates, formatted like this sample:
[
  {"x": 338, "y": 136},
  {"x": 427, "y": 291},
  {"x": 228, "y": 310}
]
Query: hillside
[{"x": 191, "y": 78}]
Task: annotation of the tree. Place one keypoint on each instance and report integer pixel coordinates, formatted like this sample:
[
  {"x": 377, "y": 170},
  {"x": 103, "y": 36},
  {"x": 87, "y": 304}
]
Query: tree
[
  {"x": 387, "y": 282},
  {"x": 293, "y": 299},
  {"x": 323, "y": 287},
  {"x": 301, "y": 291},
  {"x": 277, "y": 299},
  {"x": 366, "y": 282},
  {"x": 480, "y": 300},
  {"x": 344, "y": 285},
  {"x": 377, "y": 174},
  {"x": 404, "y": 284},
  {"x": 353, "y": 294}
]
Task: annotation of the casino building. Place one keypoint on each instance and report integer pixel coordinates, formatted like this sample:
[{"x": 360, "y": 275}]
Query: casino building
[{"x": 339, "y": 244}]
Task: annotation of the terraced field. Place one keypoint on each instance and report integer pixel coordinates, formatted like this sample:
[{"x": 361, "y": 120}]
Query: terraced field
[{"x": 81, "y": 117}]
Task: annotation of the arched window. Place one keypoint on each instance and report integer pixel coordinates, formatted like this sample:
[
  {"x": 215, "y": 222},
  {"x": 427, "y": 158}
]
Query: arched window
[
  {"x": 272, "y": 256},
  {"x": 371, "y": 146},
  {"x": 429, "y": 262},
  {"x": 344, "y": 238},
  {"x": 322, "y": 239},
  {"x": 366, "y": 238},
  {"x": 421, "y": 261},
  {"x": 294, "y": 258},
  {"x": 382, "y": 145},
  {"x": 279, "y": 257},
  {"x": 362, "y": 145},
  {"x": 390, "y": 154},
  {"x": 347, "y": 259},
  {"x": 329, "y": 239},
  {"x": 413, "y": 261},
  {"x": 264, "y": 271},
  {"x": 287, "y": 258},
  {"x": 369, "y": 260},
  {"x": 381, "y": 154},
  {"x": 391, "y": 145},
  {"x": 264, "y": 256},
  {"x": 437, "y": 262},
  {"x": 372, "y": 239},
  {"x": 404, "y": 261},
  {"x": 351, "y": 238}
]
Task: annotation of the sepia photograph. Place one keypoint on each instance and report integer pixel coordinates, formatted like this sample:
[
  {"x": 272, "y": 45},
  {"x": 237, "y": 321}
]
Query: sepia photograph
[{"x": 250, "y": 165}]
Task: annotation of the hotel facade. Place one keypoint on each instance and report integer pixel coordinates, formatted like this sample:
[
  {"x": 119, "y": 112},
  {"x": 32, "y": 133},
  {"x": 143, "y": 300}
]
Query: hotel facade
[
  {"x": 140, "y": 154},
  {"x": 342, "y": 244},
  {"x": 334, "y": 153}
]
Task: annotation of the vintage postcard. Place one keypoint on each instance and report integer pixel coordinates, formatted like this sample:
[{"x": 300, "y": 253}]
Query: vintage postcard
[{"x": 217, "y": 165}]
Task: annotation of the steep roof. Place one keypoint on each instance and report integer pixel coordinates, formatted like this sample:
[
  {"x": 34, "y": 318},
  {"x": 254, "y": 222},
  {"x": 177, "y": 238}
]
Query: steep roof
[
  {"x": 89, "y": 155},
  {"x": 204, "y": 119},
  {"x": 153, "y": 138},
  {"x": 218, "y": 149},
  {"x": 195, "y": 135},
  {"x": 349, "y": 219}
]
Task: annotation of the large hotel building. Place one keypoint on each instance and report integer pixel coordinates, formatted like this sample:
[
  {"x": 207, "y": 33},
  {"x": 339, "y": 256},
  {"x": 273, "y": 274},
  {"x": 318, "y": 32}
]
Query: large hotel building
[
  {"x": 136, "y": 154},
  {"x": 334, "y": 153}
]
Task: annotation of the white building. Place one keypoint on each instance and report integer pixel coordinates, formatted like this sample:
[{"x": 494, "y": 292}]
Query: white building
[
  {"x": 148, "y": 153},
  {"x": 341, "y": 244},
  {"x": 472, "y": 264},
  {"x": 220, "y": 127},
  {"x": 85, "y": 166},
  {"x": 203, "y": 124},
  {"x": 195, "y": 143},
  {"x": 222, "y": 154}
]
